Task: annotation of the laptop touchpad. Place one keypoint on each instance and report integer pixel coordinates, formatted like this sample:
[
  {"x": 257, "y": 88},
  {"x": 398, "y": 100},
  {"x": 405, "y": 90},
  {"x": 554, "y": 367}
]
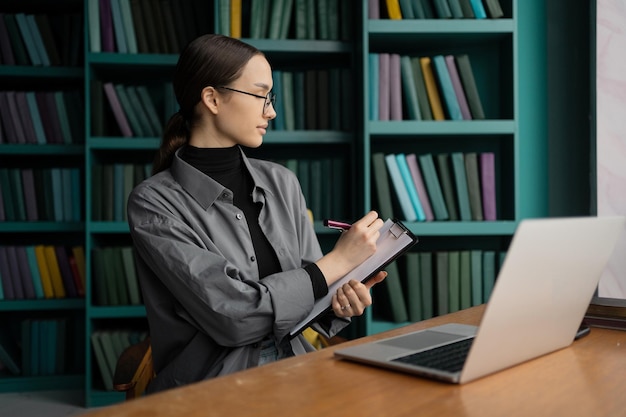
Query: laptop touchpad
[{"x": 421, "y": 340}]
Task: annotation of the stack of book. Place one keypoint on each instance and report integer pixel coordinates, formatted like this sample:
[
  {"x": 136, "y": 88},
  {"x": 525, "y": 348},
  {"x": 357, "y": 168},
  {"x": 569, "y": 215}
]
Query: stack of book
[
  {"x": 41, "y": 117},
  {"x": 146, "y": 26},
  {"x": 40, "y": 194},
  {"x": 42, "y": 272},
  {"x": 438, "y": 283},
  {"x": 434, "y": 9},
  {"x": 315, "y": 99},
  {"x": 115, "y": 277},
  {"x": 441, "y": 87},
  {"x": 132, "y": 106},
  {"x": 286, "y": 19},
  {"x": 447, "y": 186},
  {"x": 41, "y": 39},
  {"x": 112, "y": 184},
  {"x": 323, "y": 184},
  {"x": 39, "y": 348}
]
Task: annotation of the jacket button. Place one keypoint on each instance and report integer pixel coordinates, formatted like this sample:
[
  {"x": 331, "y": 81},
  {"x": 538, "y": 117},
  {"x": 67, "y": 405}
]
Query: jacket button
[
  {"x": 253, "y": 258},
  {"x": 239, "y": 216}
]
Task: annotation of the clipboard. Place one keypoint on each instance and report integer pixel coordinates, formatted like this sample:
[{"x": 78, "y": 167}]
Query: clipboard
[{"x": 394, "y": 240}]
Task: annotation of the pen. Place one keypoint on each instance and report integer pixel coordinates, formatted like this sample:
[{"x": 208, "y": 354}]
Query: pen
[{"x": 334, "y": 224}]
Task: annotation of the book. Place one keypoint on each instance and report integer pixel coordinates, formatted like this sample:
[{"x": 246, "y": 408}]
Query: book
[
  {"x": 494, "y": 9},
  {"x": 25, "y": 272},
  {"x": 169, "y": 21},
  {"x": 420, "y": 89},
  {"x": 393, "y": 9},
  {"x": 235, "y": 18},
  {"x": 140, "y": 27},
  {"x": 384, "y": 87},
  {"x": 478, "y": 8},
  {"x": 409, "y": 89},
  {"x": 406, "y": 9},
  {"x": 488, "y": 185},
  {"x": 455, "y": 9},
  {"x": 103, "y": 365},
  {"x": 444, "y": 172},
  {"x": 15, "y": 117},
  {"x": 139, "y": 111},
  {"x": 461, "y": 188},
  {"x": 129, "y": 110},
  {"x": 35, "y": 117},
  {"x": 63, "y": 117},
  {"x": 400, "y": 190},
  {"x": 28, "y": 39},
  {"x": 431, "y": 88},
  {"x": 17, "y": 190},
  {"x": 150, "y": 110},
  {"x": 55, "y": 272},
  {"x": 476, "y": 276},
  {"x": 435, "y": 193},
  {"x": 466, "y": 74},
  {"x": 454, "y": 281},
  {"x": 465, "y": 278},
  {"x": 420, "y": 187},
  {"x": 442, "y": 8},
  {"x": 426, "y": 279},
  {"x": 5, "y": 275},
  {"x": 44, "y": 271},
  {"x": 134, "y": 295},
  {"x": 473, "y": 185},
  {"x": 107, "y": 34},
  {"x": 381, "y": 186},
  {"x": 14, "y": 272},
  {"x": 453, "y": 109},
  {"x": 458, "y": 87},
  {"x": 35, "y": 274},
  {"x": 466, "y": 7},
  {"x": 409, "y": 185},
  {"x": 38, "y": 39},
  {"x": 489, "y": 273},
  {"x": 6, "y": 51},
  {"x": 30, "y": 194},
  {"x": 413, "y": 286},
  {"x": 116, "y": 107},
  {"x": 98, "y": 278},
  {"x": 93, "y": 20},
  {"x": 373, "y": 91},
  {"x": 18, "y": 47},
  {"x": 66, "y": 271},
  {"x": 78, "y": 254},
  {"x": 128, "y": 25},
  {"x": 395, "y": 87},
  {"x": 441, "y": 277}
]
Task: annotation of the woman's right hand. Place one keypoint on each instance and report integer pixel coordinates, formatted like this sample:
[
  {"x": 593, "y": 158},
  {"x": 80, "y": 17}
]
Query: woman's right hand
[{"x": 354, "y": 246}]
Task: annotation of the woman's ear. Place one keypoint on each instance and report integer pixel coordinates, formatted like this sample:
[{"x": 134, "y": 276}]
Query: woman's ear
[{"x": 210, "y": 99}]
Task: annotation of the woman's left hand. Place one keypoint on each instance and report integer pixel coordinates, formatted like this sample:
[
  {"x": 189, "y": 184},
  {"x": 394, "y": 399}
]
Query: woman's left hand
[{"x": 352, "y": 298}]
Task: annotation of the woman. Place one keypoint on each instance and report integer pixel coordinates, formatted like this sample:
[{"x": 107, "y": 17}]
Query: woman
[{"x": 227, "y": 258}]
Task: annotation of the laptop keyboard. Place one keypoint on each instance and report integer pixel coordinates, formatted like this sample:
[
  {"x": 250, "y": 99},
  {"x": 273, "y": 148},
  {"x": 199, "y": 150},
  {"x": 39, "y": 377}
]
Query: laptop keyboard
[{"x": 450, "y": 357}]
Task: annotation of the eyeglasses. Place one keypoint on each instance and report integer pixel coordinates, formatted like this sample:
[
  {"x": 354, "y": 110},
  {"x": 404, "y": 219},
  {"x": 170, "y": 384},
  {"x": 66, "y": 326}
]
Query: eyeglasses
[{"x": 270, "y": 98}]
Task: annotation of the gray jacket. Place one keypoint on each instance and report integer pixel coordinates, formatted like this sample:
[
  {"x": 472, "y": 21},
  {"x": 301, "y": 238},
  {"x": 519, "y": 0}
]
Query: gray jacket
[{"x": 207, "y": 309}]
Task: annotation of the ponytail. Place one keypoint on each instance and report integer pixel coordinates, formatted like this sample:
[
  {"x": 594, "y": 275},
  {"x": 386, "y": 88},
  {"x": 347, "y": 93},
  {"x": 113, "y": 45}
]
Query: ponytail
[{"x": 175, "y": 135}]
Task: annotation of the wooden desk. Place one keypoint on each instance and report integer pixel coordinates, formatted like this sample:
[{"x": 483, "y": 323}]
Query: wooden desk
[{"x": 585, "y": 379}]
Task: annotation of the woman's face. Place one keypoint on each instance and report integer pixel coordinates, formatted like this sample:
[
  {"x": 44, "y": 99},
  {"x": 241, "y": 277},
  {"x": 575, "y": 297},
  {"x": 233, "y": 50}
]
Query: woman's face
[{"x": 243, "y": 118}]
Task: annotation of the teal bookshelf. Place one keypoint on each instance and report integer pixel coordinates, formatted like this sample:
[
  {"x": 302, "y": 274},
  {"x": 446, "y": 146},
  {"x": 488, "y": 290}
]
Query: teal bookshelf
[
  {"x": 508, "y": 57},
  {"x": 508, "y": 68},
  {"x": 23, "y": 77}
]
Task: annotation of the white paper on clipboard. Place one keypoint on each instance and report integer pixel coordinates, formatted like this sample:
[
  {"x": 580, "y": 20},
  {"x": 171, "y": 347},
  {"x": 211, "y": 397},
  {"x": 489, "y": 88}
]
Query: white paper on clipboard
[{"x": 394, "y": 240}]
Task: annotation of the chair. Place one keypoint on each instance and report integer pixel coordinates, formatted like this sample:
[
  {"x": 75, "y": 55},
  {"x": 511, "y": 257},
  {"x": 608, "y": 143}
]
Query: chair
[{"x": 134, "y": 369}]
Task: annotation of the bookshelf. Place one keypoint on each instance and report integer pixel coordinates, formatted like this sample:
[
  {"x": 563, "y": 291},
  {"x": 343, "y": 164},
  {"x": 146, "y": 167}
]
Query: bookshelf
[
  {"x": 507, "y": 54},
  {"x": 506, "y": 58},
  {"x": 36, "y": 226}
]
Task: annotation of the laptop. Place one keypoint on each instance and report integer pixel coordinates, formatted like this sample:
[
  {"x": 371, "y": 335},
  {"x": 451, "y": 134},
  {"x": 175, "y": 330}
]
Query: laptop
[{"x": 542, "y": 291}]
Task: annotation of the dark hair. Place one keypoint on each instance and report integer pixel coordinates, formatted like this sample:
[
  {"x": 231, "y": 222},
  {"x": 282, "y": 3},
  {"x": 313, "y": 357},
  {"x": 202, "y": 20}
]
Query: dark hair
[{"x": 209, "y": 60}]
